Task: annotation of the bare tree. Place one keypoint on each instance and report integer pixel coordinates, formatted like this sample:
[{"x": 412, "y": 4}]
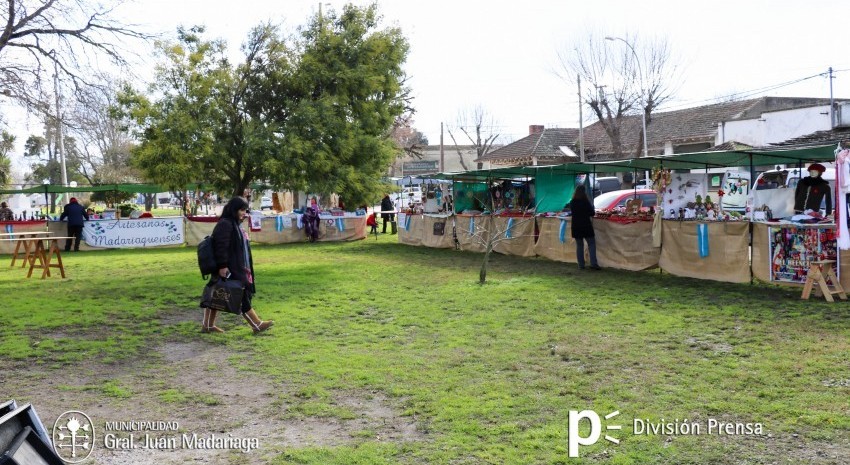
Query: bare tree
[
  {"x": 620, "y": 77},
  {"x": 71, "y": 37},
  {"x": 103, "y": 144},
  {"x": 408, "y": 138},
  {"x": 477, "y": 125}
]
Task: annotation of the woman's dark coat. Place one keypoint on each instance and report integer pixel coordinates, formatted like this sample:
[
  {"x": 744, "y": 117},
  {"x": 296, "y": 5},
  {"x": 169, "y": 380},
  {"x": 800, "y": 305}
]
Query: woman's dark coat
[
  {"x": 581, "y": 224},
  {"x": 230, "y": 252}
]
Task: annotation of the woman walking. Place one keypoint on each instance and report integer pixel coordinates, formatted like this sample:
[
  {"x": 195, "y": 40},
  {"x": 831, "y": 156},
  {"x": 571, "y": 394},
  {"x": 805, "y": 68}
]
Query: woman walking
[
  {"x": 582, "y": 226},
  {"x": 233, "y": 257}
]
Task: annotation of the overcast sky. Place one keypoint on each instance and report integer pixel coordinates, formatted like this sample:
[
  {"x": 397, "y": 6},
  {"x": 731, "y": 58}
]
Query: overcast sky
[{"x": 502, "y": 55}]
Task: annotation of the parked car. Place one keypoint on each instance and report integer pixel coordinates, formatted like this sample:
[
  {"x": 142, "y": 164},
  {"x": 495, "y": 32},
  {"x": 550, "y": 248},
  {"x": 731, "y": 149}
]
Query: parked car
[
  {"x": 618, "y": 198},
  {"x": 266, "y": 203},
  {"x": 606, "y": 184}
]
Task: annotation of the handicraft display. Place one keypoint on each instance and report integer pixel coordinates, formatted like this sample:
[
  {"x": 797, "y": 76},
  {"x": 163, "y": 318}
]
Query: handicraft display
[{"x": 792, "y": 249}]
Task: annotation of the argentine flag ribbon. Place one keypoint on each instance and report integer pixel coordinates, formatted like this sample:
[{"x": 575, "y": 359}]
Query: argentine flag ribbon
[
  {"x": 407, "y": 222},
  {"x": 510, "y": 225},
  {"x": 278, "y": 223},
  {"x": 702, "y": 240},
  {"x": 340, "y": 224},
  {"x": 471, "y": 225},
  {"x": 9, "y": 229},
  {"x": 562, "y": 231}
]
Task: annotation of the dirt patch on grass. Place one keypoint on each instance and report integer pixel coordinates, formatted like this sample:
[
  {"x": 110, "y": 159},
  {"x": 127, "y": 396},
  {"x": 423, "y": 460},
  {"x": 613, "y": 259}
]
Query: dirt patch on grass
[{"x": 204, "y": 387}]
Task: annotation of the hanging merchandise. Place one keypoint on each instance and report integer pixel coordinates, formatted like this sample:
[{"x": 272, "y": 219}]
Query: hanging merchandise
[{"x": 842, "y": 188}]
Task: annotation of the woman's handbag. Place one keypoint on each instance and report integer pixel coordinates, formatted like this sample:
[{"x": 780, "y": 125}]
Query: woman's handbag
[{"x": 223, "y": 295}]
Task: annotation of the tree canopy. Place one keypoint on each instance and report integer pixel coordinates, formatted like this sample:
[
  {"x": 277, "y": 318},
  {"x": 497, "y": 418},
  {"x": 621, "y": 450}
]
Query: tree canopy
[{"x": 312, "y": 112}]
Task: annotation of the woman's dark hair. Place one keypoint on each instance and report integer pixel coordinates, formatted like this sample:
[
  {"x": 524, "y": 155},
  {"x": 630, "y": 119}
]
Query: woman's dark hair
[
  {"x": 231, "y": 209},
  {"x": 580, "y": 192}
]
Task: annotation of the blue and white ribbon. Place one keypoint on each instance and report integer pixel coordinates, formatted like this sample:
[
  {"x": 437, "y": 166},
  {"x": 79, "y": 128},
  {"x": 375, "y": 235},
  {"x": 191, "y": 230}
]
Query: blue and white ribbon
[
  {"x": 471, "y": 225},
  {"x": 340, "y": 224},
  {"x": 562, "y": 231},
  {"x": 278, "y": 223},
  {"x": 702, "y": 240},
  {"x": 9, "y": 229},
  {"x": 510, "y": 225},
  {"x": 407, "y": 222}
]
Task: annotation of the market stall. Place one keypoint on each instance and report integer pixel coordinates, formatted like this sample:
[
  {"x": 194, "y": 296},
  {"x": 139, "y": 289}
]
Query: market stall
[
  {"x": 437, "y": 231},
  {"x": 513, "y": 235},
  {"x": 625, "y": 245},
  {"x": 127, "y": 232},
  {"x": 716, "y": 250},
  {"x": 411, "y": 229},
  {"x": 282, "y": 229},
  {"x": 775, "y": 264},
  {"x": 471, "y": 229},
  {"x": 554, "y": 240}
]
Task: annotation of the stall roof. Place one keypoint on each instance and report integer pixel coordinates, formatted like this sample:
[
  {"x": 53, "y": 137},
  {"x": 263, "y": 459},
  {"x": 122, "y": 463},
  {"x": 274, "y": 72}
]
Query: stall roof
[{"x": 685, "y": 161}]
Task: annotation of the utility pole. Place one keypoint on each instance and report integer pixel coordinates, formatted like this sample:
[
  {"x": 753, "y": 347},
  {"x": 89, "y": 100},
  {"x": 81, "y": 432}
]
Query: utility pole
[
  {"x": 60, "y": 144},
  {"x": 831, "y": 102},
  {"x": 580, "y": 124},
  {"x": 442, "y": 153}
]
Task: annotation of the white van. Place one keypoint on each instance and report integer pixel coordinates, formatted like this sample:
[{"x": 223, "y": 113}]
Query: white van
[
  {"x": 775, "y": 189},
  {"x": 408, "y": 195}
]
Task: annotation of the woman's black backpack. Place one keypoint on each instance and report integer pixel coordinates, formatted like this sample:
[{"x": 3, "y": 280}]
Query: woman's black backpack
[{"x": 206, "y": 257}]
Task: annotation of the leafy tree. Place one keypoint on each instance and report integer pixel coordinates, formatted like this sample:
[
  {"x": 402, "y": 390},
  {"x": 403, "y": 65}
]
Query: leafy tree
[
  {"x": 7, "y": 144},
  {"x": 347, "y": 92},
  {"x": 314, "y": 114}
]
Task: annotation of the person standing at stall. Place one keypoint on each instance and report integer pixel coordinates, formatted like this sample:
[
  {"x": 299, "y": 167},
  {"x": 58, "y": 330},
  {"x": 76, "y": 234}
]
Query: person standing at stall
[
  {"x": 387, "y": 211},
  {"x": 77, "y": 216},
  {"x": 232, "y": 251},
  {"x": 6, "y": 213},
  {"x": 581, "y": 226}
]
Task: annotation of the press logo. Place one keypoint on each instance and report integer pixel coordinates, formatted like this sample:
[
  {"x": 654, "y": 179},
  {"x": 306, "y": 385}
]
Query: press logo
[
  {"x": 575, "y": 439},
  {"x": 73, "y": 436}
]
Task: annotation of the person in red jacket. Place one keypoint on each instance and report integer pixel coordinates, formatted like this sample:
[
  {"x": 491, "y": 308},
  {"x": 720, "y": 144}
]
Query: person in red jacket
[{"x": 372, "y": 222}]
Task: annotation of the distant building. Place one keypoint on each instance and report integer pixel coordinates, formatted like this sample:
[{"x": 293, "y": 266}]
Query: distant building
[{"x": 429, "y": 162}]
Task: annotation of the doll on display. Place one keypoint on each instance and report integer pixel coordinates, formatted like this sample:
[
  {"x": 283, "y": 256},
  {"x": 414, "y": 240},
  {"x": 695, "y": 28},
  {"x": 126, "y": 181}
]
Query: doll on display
[{"x": 812, "y": 190}]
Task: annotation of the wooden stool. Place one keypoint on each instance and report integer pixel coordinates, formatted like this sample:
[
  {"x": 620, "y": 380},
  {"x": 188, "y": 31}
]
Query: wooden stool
[{"x": 819, "y": 272}]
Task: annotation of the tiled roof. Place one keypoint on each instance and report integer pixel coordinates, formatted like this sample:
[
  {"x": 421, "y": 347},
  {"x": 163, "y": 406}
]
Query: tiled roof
[
  {"x": 730, "y": 145},
  {"x": 542, "y": 145},
  {"x": 832, "y": 136},
  {"x": 688, "y": 126}
]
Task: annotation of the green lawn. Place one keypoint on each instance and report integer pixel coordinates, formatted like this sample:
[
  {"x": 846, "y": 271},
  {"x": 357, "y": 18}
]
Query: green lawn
[{"x": 487, "y": 374}]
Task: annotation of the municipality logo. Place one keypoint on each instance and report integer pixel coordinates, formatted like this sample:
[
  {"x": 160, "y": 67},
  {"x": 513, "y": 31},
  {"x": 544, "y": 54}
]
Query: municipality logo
[
  {"x": 73, "y": 436},
  {"x": 575, "y": 439}
]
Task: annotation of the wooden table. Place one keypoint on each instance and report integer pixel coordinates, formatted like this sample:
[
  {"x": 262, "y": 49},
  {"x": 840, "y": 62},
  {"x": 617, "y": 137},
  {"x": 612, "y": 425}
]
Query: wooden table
[
  {"x": 39, "y": 256},
  {"x": 28, "y": 246},
  {"x": 819, "y": 273}
]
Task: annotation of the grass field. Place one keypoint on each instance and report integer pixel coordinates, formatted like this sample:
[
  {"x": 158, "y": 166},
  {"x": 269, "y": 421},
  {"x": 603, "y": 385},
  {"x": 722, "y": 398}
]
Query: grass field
[{"x": 384, "y": 353}]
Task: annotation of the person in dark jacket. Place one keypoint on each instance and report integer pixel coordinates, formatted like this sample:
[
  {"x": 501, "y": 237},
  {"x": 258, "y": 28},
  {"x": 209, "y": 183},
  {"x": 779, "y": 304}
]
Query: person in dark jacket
[
  {"x": 310, "y": 220},
  {"x": 76, "y": 215},
  {"x": 233, "y": 256},
  {"x": 812, "y": 190},
  {"x": 387, "y": 211},
  {"x": 582, "y": 226}
]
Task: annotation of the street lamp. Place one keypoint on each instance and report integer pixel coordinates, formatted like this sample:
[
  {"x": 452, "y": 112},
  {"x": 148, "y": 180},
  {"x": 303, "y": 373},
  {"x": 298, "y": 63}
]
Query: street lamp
[{"x": 640, "y": 70}]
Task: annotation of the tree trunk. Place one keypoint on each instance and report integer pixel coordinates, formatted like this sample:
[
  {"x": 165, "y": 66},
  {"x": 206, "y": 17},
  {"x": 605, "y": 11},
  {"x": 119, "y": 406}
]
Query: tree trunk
[{"x": 482, "y": 275}]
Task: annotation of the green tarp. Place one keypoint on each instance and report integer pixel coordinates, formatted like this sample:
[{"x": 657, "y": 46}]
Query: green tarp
[
  {"x": 553, "y": 189},
  {"x": 557, "y": 179}
]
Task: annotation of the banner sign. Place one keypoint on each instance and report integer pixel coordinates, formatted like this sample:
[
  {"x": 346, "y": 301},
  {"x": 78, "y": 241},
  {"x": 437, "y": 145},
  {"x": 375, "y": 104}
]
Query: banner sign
[{"x": 134, "y": 233}]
